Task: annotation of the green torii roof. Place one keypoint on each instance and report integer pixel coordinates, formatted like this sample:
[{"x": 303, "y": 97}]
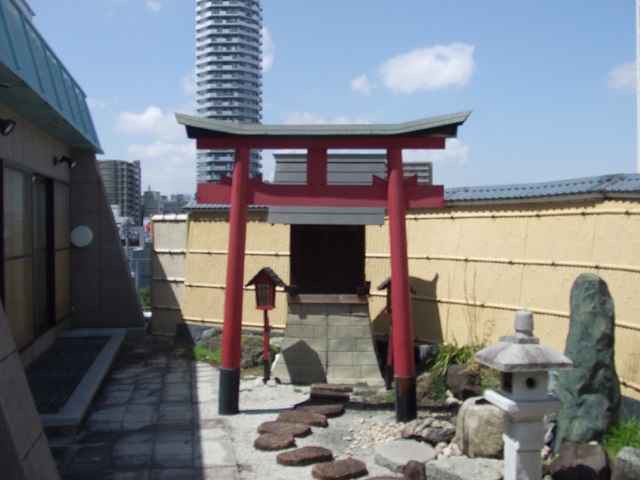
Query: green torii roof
[{"x": 439, "y": 126}]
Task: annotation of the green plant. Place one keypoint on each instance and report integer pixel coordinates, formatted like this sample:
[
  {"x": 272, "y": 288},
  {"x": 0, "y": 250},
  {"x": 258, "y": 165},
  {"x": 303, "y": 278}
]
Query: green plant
[
  {"x": 202, "y": 353},
  {"x": 144, "y": 297},
  {"x": 625, "y": 433},
  {"x": 449, "y": 355}
]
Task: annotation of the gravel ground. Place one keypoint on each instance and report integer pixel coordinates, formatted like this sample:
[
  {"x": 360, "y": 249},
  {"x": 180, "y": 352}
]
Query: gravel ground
[{"x": 354, "y": 434}]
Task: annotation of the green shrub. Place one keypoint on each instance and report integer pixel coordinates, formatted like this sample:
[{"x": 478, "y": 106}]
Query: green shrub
[
  {"x": 144, "y": 297},
  {"x": 625, "y": 433},
  {"x": 450, "y": 355}
]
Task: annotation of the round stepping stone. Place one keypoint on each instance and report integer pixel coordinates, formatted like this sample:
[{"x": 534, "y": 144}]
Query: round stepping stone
[
  {"x": 329, "y": 410},
  {"x": 324, "y": 394},
  {"x": 304, "y": 456},
  {"x": 296, "y": 429},
  {"x": 272, "y": 441},
  {"x": 339, "y": 470},
  {"x": 296, "y": 416},
  {"x": 336, "y": 387}
]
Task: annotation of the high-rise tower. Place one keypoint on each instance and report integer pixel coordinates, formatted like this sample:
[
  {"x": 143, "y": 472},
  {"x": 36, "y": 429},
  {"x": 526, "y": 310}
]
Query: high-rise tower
[{"x": 228, "y": 74}]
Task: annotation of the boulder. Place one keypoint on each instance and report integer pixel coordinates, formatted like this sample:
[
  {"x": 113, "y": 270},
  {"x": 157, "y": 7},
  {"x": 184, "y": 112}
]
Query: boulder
[
  {"x": 580, "y": 462},
  {"x": 627, "y": 465},
  {"x": 252, "y": 351},
  {"x": 304, "y": 456},
  {"x": 479, "y": 429},
  {"x": 463, "y": 382},
  {"x": 339, "y": 470},
  {"x": 430, "y": 430},
  {"x": 397, "y": 454},
  {"x": 591, "y": 390},
  {"x": 462, "y": 468}
]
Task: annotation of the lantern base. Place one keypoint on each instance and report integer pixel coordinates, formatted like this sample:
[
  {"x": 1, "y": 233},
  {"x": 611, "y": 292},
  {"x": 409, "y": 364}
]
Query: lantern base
[
  {"x": 229, "y": 391},
  {"x": 406, "y": 403}
]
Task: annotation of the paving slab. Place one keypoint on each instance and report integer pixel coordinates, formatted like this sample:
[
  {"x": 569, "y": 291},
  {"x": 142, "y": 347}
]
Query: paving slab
[{"x": 395, "y": 455}]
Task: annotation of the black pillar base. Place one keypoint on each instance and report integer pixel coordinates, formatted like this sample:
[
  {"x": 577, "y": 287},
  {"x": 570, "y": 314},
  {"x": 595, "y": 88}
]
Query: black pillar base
[
  {"x": 267, "y": 371},
  {"x": 406, "y": 403},
  {"x": 229, "y": 391}
]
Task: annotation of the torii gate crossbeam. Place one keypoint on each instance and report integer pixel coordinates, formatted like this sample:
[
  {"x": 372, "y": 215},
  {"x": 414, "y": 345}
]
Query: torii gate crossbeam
[{"x": 395, "y": 193}]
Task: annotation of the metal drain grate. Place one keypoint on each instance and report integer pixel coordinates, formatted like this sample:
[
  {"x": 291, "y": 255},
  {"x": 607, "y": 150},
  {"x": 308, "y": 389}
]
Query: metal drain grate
[{"x": 55, "y": 375}]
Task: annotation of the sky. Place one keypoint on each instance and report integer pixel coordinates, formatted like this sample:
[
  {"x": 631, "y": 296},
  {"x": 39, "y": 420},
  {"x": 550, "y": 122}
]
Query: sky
[{"x": 551, "y": 83}]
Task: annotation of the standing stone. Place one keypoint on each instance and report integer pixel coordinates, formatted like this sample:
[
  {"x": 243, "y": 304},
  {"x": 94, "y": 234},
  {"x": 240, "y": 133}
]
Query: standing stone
[
  {"x": 591, "y": 391},
  {"x": 581, "y": 462},
  {"x": 479, "y": 429},
  {"x": 627, "y": 464}
]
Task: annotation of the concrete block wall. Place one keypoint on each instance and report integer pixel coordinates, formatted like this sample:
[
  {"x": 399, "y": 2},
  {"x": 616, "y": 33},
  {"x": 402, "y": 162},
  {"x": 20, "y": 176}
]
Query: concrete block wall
[
  {"x": 24, "y": 451},
  {"x": 325, "y": 342}
]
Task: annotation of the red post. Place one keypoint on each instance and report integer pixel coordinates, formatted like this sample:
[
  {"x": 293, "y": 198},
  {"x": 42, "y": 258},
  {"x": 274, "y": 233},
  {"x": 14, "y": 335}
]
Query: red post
[
  {"x": 265, "y": 348},
  {"x": 232, "y": 328},
  {"x": 404, "y": 366}
]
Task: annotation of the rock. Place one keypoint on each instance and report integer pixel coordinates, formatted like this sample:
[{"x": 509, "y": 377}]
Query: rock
[
  {"x": 329, "y": 410},
  {"x": 272, "y": 441},
  {"x": 339, "y": 470},
  {"x": 591, "y": 390},
  {"x": 295, "y": 429},
  {"x": 627, "y": 465},
  {"x": 396, "y": 454},
  {"x": 479, "y": 429},
  {"x": 252, "y": 351},
  {"x": 297, "y": 416},
  {"x": 463, "y": 382},
  {"x": 304, "y": 456},
  {"x": 463, "y": 468},
  {"x": 430, "y": 430},
  {"x": 580, "y": 462},
  {"x": 452, "y": 450},
  {"x": 415, "y": 471}
]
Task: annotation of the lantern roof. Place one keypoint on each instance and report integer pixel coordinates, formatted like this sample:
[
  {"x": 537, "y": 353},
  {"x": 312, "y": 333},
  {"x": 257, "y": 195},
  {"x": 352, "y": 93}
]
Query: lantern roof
[
  {"x": 271, "y": 276},
  {"x": 522, "y": 351}
]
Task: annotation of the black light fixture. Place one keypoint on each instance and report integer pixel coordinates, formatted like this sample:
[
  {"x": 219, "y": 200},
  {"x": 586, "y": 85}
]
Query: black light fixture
[
  {"x": 64, "y": 159},
  {"x": 6, "y": 126}
]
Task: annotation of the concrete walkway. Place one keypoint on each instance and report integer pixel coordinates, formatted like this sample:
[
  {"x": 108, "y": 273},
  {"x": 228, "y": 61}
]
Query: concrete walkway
[{"x": 155, "y": 418}]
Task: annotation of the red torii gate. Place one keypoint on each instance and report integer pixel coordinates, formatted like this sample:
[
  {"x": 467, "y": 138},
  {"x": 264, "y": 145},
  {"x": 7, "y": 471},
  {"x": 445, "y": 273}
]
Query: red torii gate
[{"x": 394, "y": 193}]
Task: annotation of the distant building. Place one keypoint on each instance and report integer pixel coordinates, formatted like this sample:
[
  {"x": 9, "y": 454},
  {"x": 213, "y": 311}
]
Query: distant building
[
  {"x": 424, "y": 171},
  {"x": 153, "y": 202},
  {"x": 228, "y": 71},
  {"x": 122, "y": 182}
]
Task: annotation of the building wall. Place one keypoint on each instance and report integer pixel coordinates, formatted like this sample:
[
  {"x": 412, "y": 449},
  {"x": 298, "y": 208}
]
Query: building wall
[{"x": 471, "y": 268}]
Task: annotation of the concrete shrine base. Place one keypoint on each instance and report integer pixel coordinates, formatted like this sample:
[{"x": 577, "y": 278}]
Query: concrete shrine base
[{"x": 328, "y": 343}]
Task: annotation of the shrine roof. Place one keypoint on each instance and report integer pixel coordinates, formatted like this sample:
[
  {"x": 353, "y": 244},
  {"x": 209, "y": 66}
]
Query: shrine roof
[{"x": 438, "y": 126}]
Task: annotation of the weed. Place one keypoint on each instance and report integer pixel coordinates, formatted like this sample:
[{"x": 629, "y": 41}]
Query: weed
[
  {"x": 202, "y": 353},
  {"x": 449, "y": 355},
  {"x": 297, "y": 390},
  {"x": 625, "y": 433}
]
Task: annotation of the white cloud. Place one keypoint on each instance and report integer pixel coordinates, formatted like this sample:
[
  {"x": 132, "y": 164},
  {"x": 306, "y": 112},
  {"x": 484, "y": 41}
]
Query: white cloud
[
  {"x": 152, "y": 121},
  {"x": 153, "y": 5},
  {"x": 430, "y": 68},
  {"x": 268, "y": 50},
  {"x": 167, "y": 167},
  {"x": 454, "y": 155},
  {"x": 188, "y": 83},
  {"x": 622, "y": 78},
  {"x": 362, "y": 84}
]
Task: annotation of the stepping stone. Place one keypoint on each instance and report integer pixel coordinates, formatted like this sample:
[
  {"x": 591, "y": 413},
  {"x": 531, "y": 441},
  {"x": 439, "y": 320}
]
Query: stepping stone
[
  {"x": 305, "y": 456},
  {"x": 296, "y": 416},
  {"x": 296, "y": 429},
  {"x": 272, "y": 441},
  {"x": 339, "y": 470},
  {"x": 328, "y": 409},
  {"x": 387, "y": 478},
  {"x": 326, "y": 394},
  {"x": 336, "y": 387}
]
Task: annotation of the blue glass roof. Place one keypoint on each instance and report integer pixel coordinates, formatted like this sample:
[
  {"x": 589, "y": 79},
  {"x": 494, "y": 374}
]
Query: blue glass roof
[{"x": 35, "y": 83}]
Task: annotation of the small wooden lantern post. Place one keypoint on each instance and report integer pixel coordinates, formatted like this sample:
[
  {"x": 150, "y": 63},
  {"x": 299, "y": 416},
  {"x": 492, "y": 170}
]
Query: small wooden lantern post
[{"x": 265, "y": 282}]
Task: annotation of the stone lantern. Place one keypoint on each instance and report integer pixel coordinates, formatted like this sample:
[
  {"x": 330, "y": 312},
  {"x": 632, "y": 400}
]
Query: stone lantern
[{"x": 524, "y": 367}]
